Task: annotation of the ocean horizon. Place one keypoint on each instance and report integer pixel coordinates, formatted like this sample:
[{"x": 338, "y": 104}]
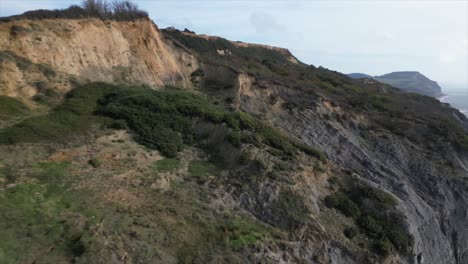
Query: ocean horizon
[{"x": 457, "y": 97}]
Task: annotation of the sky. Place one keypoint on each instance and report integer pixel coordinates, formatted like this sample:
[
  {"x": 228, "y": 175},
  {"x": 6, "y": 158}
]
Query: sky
[{"x": 372, "y": 37}]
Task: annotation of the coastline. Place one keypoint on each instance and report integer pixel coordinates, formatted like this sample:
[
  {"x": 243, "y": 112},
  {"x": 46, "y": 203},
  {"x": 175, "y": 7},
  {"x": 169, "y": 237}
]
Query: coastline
[{"x": 446, "y": 99}]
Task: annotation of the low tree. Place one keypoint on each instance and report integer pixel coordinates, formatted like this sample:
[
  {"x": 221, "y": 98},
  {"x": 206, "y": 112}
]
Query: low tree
[
  {"x": 127, "y": 10},
  {"x": 98, "y": 8}
]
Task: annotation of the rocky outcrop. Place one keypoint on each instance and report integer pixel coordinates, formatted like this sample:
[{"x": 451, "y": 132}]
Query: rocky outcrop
[{"x": 91, "y": 50}]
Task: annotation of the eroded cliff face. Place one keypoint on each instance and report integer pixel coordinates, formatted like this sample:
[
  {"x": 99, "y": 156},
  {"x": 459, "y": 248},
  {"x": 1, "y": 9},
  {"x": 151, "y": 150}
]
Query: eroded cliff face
[
  {"x": 89, "y": 50},
  {"x": 431, "y": 194}
]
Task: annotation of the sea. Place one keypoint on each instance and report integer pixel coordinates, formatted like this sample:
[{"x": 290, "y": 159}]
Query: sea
[{"x": 456, "y": 96}]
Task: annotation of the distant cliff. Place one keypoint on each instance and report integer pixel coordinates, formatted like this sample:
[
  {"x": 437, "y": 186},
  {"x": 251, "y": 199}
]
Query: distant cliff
[{"x": 411, "y": 81}]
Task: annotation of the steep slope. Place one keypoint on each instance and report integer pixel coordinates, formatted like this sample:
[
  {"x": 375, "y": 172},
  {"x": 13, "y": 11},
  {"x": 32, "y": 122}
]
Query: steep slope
[
  {"x": 62, "y": 52},
  {"x": 263, "y": 159},
  {"x": 410, "y": 81}
]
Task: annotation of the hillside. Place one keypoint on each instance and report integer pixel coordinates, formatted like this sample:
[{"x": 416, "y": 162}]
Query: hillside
[
  {"x": 124, "y": 143},
  {"x": 358, "y": 75},
  {"x": 410, "y": 81}
]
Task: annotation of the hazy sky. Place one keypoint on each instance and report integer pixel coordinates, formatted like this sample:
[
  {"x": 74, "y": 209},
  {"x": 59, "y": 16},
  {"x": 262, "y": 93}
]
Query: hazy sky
[{"x": 373, "y": 37}]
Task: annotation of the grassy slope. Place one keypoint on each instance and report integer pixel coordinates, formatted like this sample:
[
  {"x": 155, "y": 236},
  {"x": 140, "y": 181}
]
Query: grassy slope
[
  {"x": 422, "y": 119},
  {"x": 50, "y": 196}
]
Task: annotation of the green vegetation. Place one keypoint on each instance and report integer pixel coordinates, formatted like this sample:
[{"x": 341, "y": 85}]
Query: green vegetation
[
  {"x": 374, "y": 211},
  {"x": 51, "y": 171},
  {"x": 241, "y": 232},
  {"x": 289, "y": 211},
  {"x": 163, "y": 120},
  {"x": 69, "y": 121},
  {"x": 35, "y": 217},
  {"x": 115, "y": 10},
  {"x": 350, "y": 232},
  {"x": 96, "y": 163},
  {"x": 11, "y": 107},
  {"x": 200, "y": 170},
  {"x": 8, "y": 174},
  {"x": 166, "y": 165},
  {"x": 421, "y": 119},
  {"x": 342, "y": 202}
]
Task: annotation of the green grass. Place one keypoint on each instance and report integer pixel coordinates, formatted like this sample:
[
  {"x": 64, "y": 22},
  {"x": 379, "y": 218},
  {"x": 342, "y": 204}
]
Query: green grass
[
  {"x": 52, "y": 171},
  {"x": 34, "y": 219},
  {"x": 200, "y": 170},
  {"x": 11, "y": 107},
  {"x": 58, "y": 126},
  {"x": 242, "y": 232},
  {"x": 70, "y": 121},
  {"x": 166, "y": 165}
]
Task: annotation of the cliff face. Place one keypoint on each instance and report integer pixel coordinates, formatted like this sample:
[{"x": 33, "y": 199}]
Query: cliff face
[
  {"x": 88, "y": 50},
  {"x": 410, "y": 81},
  {"x": 407, "y": 147}
]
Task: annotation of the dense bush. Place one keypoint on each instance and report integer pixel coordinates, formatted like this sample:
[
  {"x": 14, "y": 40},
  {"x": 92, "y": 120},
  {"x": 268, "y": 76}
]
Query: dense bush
[
  {"x": 115, "y": 10},
  {"x": 160, "y": 119},
  {"x": 342, "y": 202},
  {"x": 289, "y": 210},
  {"x": 71, "y": 120},
  {"x": 374, "y": 212},
  {"x": 350, "y": 232}
]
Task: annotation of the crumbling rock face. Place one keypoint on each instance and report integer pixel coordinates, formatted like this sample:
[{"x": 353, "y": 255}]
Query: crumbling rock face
[{"x": 94, "y": 50}]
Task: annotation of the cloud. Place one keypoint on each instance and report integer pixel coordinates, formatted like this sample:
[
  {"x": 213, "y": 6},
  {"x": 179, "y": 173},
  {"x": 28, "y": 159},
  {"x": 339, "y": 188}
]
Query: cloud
[{"x": 265, "y": 23}]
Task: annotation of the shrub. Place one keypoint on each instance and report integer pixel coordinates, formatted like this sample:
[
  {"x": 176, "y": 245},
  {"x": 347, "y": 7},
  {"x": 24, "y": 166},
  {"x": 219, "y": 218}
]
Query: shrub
[
  {"x": 275, "y": 139},
  {"x": 197, "y": 73},
  {"x": 384, "y": 199},
  {"x": 374, "y": 212},
  {"x": 234, "y": 138},
  {"x": 58, "y": 126},
  {"x": 311, "y": 151},
  {"x": 160, "y": 119},
  {"x": 116, "y": 10},
  {"x": 370, "y": 225},
  {"x": 245, "y": 157},
  {"x": 342, "y": 202},
  {"x": 289, "y": 211},
  {"x": 95, "y": 163},
  {"x": 350, "y": 232},
  {"x": 383, "y": 247}
]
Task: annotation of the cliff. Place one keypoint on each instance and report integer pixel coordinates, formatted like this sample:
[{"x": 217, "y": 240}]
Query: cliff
[
  {"x": 79, "y": 50},
  {"x": 252, "y": 157},
  {"x": 410, "y": 81}
]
